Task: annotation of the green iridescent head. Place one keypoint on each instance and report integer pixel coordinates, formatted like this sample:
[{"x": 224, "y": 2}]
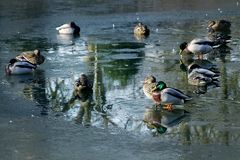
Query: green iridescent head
[{"x": 161, "y": 85}]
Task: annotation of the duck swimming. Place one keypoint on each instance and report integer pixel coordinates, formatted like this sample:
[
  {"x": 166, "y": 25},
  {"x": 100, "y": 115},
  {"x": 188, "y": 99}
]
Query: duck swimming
[
  {"x": 168, "y": 96},
  {"x": 141, "y": 30},
  {"x": 33, "y": 57},
  {"x": 16, "y": 67},
  {"x": 201, "y": 77},
  {"x": 68, "y": 28}
]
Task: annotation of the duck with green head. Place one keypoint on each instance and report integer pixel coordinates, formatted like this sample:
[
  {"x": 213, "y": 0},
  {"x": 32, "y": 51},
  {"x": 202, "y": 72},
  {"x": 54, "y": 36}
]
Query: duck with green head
[{"x": 168, "y": 96}]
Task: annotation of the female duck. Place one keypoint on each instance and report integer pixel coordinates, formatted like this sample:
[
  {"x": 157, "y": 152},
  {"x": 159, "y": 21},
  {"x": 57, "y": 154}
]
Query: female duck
[
  {"x": 149, "y": 84},
  {"x": 141, "y": 30},
  {"x": 19, "y": 67},
  {"x": 168, "y": 96},
  {"x": 219, "y": 26},
  {"x": 69, "y": 28},
  {"x": 201, "y": 77},
  {"x": 33, "y": 57}
]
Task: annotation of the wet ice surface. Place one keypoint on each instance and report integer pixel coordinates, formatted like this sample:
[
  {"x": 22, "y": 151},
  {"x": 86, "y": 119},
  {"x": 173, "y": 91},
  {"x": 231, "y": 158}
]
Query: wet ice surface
[{"x": 32, "y": 124}]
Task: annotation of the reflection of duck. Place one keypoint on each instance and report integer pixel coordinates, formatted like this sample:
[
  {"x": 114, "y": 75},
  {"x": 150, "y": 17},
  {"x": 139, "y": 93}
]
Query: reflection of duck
[
  {"x": 33, "y": 57},
  {"x": 219, "y": 26},
  {"x": 187, "y": 60},
  {"x": 68, "y": 28},
  {"x": 141, "y": 30},
  {"x": 168, "y": 96},
  {"x": 201, "y": 77},
  {"x": 19, "y": 67},
  {"x": 161, "y": 120}
]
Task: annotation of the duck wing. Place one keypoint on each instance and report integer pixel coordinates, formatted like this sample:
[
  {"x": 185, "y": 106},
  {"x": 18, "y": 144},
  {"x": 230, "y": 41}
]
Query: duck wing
[
  {"x": 205, "y": 72},
  {"x": 64, "y": 26},
  {"x": 176, "y": 93}
]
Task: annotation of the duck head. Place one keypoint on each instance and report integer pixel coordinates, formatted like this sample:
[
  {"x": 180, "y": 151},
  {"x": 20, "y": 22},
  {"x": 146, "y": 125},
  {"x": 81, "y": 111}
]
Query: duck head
[
  {"x": 82, "y": 80},
  {"x": 160, "y": 86},
  {"x": 182, "y": 46},
  {"x": 39, "y": 58},
  {"x": 150, "y": 79},
  {"x": 141, "y": 29},
  {"x": 72, "y": 24},
  {"x": 219, "y": 26}
]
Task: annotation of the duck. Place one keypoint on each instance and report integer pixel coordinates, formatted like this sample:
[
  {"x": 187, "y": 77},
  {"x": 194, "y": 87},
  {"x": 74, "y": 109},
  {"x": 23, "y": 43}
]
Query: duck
[
  {"x": 69, "y": 28},
  {"x": 200, "y": 46},
  {"x": 141, "y": 30},
  {"x": 168, "y": 96},
  {"x": 219, "y": 26},
  {"x": 82, "y": 92},
  {"x": 148, "y": 84},
  {"x": 33, "y": 57},
  {"x": 83, "y": 87},
  {"x": 16, "y": 67},
  {"x": 198, "y": 76}
]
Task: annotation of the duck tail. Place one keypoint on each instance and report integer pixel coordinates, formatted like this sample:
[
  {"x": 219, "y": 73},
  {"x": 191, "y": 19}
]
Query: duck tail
[
  {"x": 188, "y": 98},
  {"x": 221, "y": 42}
]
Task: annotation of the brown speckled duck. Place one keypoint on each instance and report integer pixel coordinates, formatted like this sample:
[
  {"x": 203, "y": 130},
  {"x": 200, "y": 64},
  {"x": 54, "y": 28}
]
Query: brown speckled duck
[
  {"x": 33, "y": 57},
  {"x": 219, "y": 26},
  {"x": 148, "y": 85},
  {"x": 141, "y": 30}
]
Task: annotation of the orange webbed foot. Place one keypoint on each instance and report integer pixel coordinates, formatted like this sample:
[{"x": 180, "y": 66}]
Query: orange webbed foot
[{"x": 168, "y": 107}]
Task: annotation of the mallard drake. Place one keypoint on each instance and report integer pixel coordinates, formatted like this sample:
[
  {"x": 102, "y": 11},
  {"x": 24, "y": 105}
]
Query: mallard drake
[
  {"x": 148, "y": 85},
  {"x": 33, "y": 57},
  {"x": 68, "y": 28},
  {"x": 141, "y": 30},
  {"x": 201, "y": 77},
  {"x": 16, "y": 67},
  {"x": 168, "y": 96},
  {"x": 199, "y": 47},
  {"x": 219, "y": 26}
]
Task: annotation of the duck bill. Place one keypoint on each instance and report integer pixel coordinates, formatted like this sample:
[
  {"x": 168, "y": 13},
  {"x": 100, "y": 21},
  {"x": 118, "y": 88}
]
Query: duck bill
[
  {"x": 154, "y": 89},
  {"x": 180, "y": 52}
]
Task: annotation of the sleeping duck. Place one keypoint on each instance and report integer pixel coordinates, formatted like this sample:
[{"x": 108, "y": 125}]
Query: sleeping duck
[
  {"x": 168, "y": 96},
  {"x": 219, "y": 26},
  {"x": 200, "y": 47},
  {"x": 141, "y": 30},
  {"x": 68, "y": 28},
  {"x": 16, "y": 67},
  {"x": 33, "y": 57},
  {"x": 200, "y": 76}
]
